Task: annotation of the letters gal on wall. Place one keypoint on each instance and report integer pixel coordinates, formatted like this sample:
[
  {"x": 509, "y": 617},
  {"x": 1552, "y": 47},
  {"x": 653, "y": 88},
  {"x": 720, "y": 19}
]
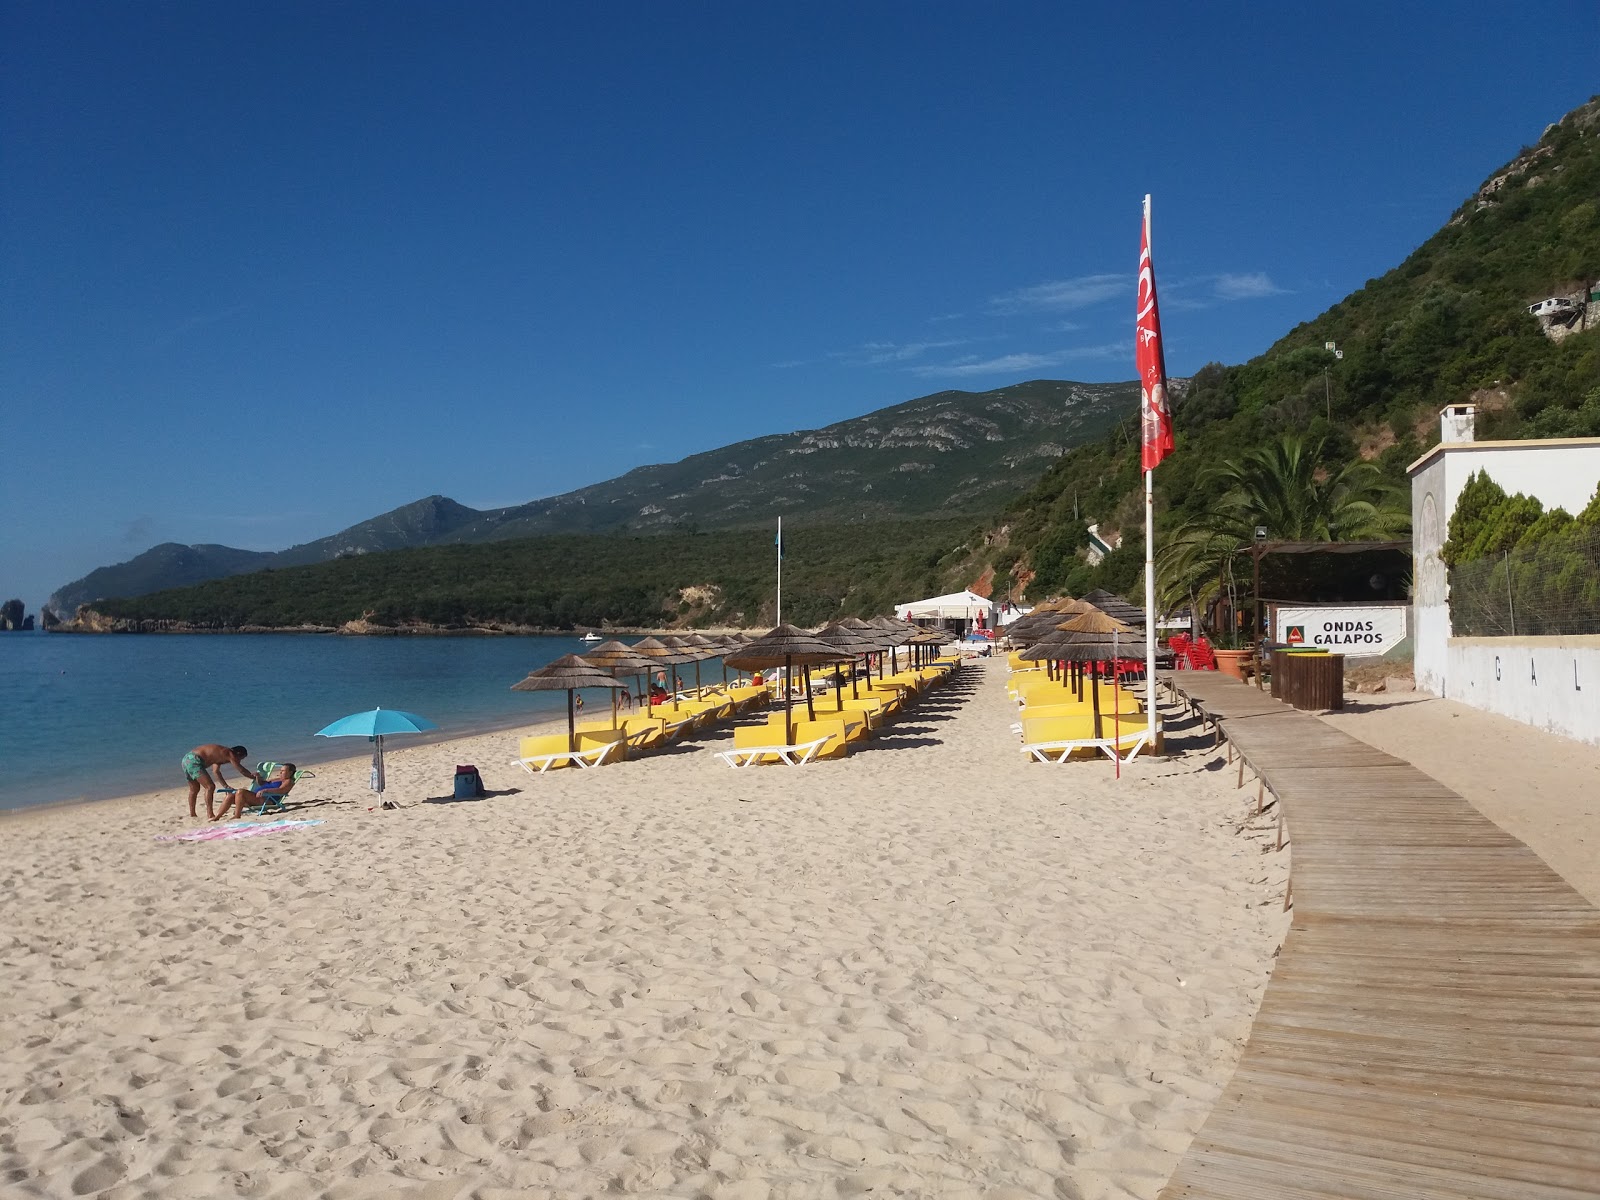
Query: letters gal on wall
[{"x": 1355, "y": 631}]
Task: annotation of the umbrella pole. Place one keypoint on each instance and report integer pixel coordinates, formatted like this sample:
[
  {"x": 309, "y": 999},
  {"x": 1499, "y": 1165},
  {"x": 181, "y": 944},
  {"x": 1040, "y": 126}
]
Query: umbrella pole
[
  {"x": 811, "y": 709},
  {"x": 855, "y": 681},
  {"x": 838, "y": 689},
  {"x": 1096, "y": 681},
  {"x": 572, "y": 724},
  {"x": 788, "y": 704}
]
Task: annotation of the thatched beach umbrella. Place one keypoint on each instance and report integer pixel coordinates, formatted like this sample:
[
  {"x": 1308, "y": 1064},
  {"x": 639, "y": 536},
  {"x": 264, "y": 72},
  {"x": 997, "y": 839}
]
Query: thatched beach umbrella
[
  {"x": 615, "y": 658},
  {"x": 692, "y": 644},
  {"x": 895, "y": 633},
  {"x": 852, "y": 643},
  {"x": 1044, "y": 618},
  {"x": 1088, "y": 638},
  {"x": 1116, "y": 606},
  {"x": 786, "y": 647},
  {"x": 567, "y": 674},
  {"x": 662, "y": 655}
]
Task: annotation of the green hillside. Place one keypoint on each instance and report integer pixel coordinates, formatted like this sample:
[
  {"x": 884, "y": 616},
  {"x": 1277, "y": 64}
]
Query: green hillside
[
  {"x": 1449, "y": 324},
  {"x": 949, "y": 453},
  {"x": 558, "y": 581}
]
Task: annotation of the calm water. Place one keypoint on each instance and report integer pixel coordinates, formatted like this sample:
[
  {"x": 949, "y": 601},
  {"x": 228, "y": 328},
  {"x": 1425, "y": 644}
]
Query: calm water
[{"x": 83, "y": 717}]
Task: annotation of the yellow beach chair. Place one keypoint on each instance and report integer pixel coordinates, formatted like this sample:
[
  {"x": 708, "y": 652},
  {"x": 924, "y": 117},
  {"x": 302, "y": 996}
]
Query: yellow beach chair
[{"x": 548, "y": 751}]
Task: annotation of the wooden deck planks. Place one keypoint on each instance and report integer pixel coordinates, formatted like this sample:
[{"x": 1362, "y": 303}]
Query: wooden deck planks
[{"x": 1432, "y": 1026}]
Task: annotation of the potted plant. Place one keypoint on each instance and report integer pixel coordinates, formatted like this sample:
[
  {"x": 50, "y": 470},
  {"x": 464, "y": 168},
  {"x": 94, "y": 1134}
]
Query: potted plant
[{"x": 1231, "y": 655}]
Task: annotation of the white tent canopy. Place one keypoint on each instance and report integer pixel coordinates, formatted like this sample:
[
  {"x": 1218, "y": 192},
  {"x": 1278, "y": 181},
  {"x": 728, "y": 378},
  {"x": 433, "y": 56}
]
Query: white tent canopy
[{"x": 958, "y": 606}]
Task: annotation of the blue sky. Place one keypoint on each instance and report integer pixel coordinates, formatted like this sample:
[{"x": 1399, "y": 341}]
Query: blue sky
[{"x": 269, "y": 269}]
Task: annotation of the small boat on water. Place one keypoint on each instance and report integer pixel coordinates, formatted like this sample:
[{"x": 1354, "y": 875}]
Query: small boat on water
[{"x": 590, "y": 637}]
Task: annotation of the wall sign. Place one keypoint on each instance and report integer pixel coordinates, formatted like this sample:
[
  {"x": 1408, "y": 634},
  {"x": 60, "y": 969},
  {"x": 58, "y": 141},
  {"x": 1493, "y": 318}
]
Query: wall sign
[{"x": 1367, "y": 630}]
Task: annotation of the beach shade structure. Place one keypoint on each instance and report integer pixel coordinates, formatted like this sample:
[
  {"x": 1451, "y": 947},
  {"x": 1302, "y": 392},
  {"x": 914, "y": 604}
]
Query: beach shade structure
[
  {"x": 1116, "y": 606},
  {"x": 787, "y": 647},
  {"x": 662, "y": 656},
  {"x": 1087, "y": 638},
  {"x": 375, "y": 726},
  {"x": 567, "y": 674},
  {"x": 895, "y": 633},
  {"x": 615, "y": 658},
  {"x": 853, "y": 643},
  {"x": 1044, "y": 619},
  {"x": 693, "y": 645}
]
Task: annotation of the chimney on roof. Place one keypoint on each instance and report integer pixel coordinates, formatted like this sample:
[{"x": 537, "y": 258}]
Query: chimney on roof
[{"x": 1456, "y": 422}]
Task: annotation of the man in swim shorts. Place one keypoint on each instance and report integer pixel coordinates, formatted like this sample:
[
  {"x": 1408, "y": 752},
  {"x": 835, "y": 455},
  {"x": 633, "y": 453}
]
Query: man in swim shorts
[{"x": 197, "y": 767}]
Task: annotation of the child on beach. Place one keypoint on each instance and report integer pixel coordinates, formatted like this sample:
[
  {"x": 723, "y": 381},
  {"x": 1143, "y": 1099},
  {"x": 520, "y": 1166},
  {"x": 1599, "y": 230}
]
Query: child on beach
[{"x": 197, "y": 767}]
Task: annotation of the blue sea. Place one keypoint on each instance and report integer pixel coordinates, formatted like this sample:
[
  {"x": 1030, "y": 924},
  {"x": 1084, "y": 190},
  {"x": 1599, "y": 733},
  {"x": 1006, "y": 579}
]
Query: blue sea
[{"x": 86, "y": 716}]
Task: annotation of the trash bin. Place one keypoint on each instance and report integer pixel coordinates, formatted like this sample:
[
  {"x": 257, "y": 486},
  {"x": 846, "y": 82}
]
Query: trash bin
[{"x": 1311, "y": 679}]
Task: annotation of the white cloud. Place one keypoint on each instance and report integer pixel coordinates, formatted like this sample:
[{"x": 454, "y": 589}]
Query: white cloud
[
  {"x": 1252, "y": 286},
  {"x": 878, "y": 354},
  {"x": 1022, "y": 361},
  {"x": 1062, "y": 295}
]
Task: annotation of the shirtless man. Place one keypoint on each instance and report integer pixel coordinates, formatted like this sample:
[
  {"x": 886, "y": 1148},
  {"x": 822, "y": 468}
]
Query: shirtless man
[{"x": 197, "y": 767}]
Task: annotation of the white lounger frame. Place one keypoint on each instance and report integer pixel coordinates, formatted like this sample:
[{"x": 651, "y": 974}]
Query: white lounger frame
[
  {"x": 538, "y": 764},
  {"x": 794, "y": 756},
  {"x": 1041, "y": 751}
]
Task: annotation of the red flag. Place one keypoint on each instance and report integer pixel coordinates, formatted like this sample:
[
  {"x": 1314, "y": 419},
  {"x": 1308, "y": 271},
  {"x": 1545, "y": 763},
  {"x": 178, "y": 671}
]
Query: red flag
[{"x": 1155, "y": 418}]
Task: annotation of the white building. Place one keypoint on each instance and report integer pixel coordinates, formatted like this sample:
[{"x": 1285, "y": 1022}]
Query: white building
[
  {"x": 967, "y": 609},
  {"x": 1550, "y": 682}
]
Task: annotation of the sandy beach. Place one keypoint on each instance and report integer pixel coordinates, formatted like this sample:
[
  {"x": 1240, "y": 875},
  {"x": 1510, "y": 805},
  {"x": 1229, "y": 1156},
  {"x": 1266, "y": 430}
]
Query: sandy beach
[{"x": 928, "y": 969}]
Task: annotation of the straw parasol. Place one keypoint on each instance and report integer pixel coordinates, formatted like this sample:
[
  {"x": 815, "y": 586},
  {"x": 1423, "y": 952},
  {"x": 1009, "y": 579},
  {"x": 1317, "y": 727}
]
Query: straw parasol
[
  {"x": 567, "y": 674},
  {"x": 693, "y": 650},
  {"x": 852, "y": 642},
  {"x": 616, "y": 658},
  {"x": 786, "y": 647},
  {"x": 662, "y": 655},
  {"x": 1116, "y": 606},
  {"x": 1089, "y": 637}
]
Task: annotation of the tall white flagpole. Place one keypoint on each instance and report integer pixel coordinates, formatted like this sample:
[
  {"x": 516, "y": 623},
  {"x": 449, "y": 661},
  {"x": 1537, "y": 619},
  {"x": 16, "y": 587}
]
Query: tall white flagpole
[
  {"x": 779, "y": 544},
  {"x": 1149, "y": 567}
]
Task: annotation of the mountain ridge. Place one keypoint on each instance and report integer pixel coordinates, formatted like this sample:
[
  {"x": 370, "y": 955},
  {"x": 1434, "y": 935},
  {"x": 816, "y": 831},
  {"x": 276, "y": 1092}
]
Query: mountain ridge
[{"x": 951, "y": 452}]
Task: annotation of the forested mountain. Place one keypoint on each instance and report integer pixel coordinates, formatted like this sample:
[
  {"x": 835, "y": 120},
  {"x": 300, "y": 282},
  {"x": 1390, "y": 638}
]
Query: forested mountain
[
  {"x": 1448, "y": 325},
  {"x": 949, "y": 453},
  {"x": 562, "y": 580}
]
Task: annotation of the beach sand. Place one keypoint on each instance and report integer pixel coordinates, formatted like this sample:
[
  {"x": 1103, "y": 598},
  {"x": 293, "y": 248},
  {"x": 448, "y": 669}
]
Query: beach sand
[{"x": 928, "y": 969}]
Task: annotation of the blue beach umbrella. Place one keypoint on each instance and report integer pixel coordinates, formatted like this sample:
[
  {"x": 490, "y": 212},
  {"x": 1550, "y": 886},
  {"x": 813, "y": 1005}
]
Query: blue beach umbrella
[{"x": 375, "y": 726}]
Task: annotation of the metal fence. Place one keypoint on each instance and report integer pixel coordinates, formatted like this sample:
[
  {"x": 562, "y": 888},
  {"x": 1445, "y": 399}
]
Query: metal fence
[{"x": 1533, "y": 591}]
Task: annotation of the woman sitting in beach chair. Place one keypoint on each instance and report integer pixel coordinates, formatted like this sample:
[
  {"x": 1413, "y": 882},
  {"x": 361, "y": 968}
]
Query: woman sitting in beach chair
[{"x": 273, "y": 782}]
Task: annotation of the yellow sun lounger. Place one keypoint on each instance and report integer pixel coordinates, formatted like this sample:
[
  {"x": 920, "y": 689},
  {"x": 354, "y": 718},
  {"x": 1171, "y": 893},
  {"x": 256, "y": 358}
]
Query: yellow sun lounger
[
  {"x": 546, "y": 752},
  {"x": 639, "y": 733},
  {"x": 754, "y": 744},
  {"x": 1056, "y": 739}
]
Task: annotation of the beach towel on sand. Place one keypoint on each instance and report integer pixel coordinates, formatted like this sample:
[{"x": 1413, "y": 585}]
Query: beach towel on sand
[{"x": 235, "y": 829}]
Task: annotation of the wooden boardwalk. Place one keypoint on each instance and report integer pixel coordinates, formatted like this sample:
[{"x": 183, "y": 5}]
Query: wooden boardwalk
[{"x": 1432, "y": 1026}]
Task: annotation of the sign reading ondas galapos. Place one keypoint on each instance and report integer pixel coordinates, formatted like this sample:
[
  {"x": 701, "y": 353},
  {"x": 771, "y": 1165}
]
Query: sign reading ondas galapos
[{"x": 1369, "y": 629}]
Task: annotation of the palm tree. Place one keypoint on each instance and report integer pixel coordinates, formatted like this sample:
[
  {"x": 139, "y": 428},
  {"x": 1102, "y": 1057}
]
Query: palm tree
[{"x": 1280, "y": 486}]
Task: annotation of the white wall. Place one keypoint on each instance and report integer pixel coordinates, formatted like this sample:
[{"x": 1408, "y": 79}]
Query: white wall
[
  {"x": 1560, "y": 473},
  {"x": 1552, "y": 683}
]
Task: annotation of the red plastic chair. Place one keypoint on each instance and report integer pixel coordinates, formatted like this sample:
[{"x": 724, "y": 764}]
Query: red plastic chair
[{"x": 1201, "y": 657}]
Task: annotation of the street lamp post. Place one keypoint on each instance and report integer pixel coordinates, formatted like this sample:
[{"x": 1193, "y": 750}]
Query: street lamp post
[{"x": 1327, "y": 390}]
